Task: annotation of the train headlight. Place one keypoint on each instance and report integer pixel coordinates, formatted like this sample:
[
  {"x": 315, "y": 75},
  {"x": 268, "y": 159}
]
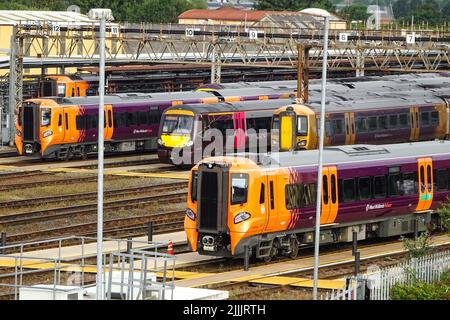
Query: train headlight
[
  {"x": 18, "y": 133},
  {"x": 190, "y": 143},
  {"x": 302, "y": 143},
  {"x": 190, "y": 214},
  {"x": 47, "y": 133},
  {"x": 241, "y": 216},
  {"x": 160, "y": 142}
]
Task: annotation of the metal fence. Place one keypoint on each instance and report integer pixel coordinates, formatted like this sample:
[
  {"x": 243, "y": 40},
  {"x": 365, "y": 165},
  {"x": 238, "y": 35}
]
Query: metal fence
[
  {"x": 67, "y": 264},
  {"x": 377, "y": 283}
]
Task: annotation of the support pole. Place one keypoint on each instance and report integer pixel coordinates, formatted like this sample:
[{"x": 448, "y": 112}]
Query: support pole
[
  {"x": 355, "y": 242},
  {"x": 357, "y": 262},
  {"x": 150, "y": 231},
  {"x": 246, "y": 258},
  {"x": 101, "y": 116},
  {"x": 319, "y": 173},
  {"x": 129, "y": 244},
  {"x": 3, "y": 242}
]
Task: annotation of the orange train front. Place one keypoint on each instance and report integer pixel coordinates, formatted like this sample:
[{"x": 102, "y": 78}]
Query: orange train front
[{"x": 268, "y": 203}]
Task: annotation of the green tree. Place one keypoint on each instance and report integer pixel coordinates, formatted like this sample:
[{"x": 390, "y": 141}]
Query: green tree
[
  {"x": 294, "y": 5},
  {"x": 354, "y": 12},
  {"x": 444, "y": 215}
]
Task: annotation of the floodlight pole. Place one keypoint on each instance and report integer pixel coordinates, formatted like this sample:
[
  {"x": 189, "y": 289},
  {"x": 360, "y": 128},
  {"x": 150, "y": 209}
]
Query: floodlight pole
[
  {"x": 102, "y": 15},
  {"x": 319, "y": 171}
]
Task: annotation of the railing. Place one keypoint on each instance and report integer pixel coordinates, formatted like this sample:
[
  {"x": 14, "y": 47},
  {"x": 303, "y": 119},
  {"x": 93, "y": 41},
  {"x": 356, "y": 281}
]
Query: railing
[
  {"x": 378, "y": 284},
  {"x": 68, "y": 261}
]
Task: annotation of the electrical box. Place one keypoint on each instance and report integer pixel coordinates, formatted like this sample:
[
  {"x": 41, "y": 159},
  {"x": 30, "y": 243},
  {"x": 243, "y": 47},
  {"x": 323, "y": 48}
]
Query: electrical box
[{"x": 50, "y": 292}]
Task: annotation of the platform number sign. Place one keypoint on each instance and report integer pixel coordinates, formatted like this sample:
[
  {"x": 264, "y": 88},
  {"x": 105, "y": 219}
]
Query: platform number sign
[
  {"x": 56, "y": 28},
  {"x": 343, "y": 37},
  {"x": 411, "y": 38},
  {"x": 253, "y": 34},
  {"x": 114, "y": 30},
  {"x": 189, "y": 33}
]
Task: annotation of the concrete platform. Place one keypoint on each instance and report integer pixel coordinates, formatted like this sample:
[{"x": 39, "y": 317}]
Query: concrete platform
[{"x": 300, "y": 282}]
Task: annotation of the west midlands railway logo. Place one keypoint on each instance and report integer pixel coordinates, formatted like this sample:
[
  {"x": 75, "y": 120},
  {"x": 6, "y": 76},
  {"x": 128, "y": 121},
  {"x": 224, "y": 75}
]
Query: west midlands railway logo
[{"x": 378, "y": 206}]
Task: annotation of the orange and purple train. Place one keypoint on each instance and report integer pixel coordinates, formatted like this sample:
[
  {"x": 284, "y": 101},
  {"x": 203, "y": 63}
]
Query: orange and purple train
[
  {"x": 66, "y": 128},
  {"x": 268, "y": 203}
]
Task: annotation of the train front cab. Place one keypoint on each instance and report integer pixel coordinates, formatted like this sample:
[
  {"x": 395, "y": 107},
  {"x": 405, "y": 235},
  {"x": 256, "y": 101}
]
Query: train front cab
[
  {"x": 220, "y": 216},
  {"x": 176, "y": 131},
  {"x": 34, "y": 126},
  {"x": 294, "y": 128},
  {"x": 62, "y": 86}
]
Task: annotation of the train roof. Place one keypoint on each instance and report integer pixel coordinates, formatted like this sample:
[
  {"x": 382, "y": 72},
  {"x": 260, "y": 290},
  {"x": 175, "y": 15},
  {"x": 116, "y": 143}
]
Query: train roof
[
  {"x": 235, "y": 106},
  {"x": 353, "y": 154}
]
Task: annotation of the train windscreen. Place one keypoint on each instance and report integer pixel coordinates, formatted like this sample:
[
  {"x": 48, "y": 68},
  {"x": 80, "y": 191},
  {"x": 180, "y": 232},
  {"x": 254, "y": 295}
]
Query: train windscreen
[
  {"x": 209, "y": 198},
  {"x": 177, "y": 124}
]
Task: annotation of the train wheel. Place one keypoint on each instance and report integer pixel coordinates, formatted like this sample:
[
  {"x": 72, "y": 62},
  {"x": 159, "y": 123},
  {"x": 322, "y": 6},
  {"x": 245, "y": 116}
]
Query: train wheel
[
  {"x": 83, "y": 154},
  {"x": 273, "y": 253},
  {"x": 294, "y": 248}
]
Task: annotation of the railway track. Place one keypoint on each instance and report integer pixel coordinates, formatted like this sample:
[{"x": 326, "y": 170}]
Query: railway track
[
  {"x": 123, "y": 227},
  {"x": 90, "y": 195},
  {"x": 86, "y": 209}
]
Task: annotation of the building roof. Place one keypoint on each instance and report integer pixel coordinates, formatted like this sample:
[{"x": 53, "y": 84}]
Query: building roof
[
  {"x": 13, "y": 17},
  {"x": 228, "y": 13}
]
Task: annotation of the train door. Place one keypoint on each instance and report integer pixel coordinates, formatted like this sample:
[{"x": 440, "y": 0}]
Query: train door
[
  {"x": 425, "y": 176},
  {"x": 58, "y": 131},
  {"x": 240, "y": 129},
  {"x": 329, "y": 195},
  {"x": 287, "y": 130},
  {"x": 69, "y": 127},
  {"x": 270, "y": 185},
  {"x": 108, "y": 123},
  {"x": 414, "y": 115},
  {"x": 350, "y": 135}
]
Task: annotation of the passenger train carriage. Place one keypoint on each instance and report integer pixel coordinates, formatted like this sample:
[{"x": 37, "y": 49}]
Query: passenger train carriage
[
  {"x": 269, "y": 203},
  {"x": 65, "y": 128},
  {"x": 184, "y": 129},
  {"x": 375, "y": 110}
]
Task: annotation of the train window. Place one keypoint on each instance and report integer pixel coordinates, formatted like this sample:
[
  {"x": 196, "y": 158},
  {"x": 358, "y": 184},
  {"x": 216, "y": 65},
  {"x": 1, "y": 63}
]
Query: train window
[
  {"x": 394, "y": 185},
  {"x": 109, "y": 118},
  {"x": 442, "y": 179},
  {"x": 393, "y": 121},
  {"x": 194, "y": 185},
  {"x": 382, "y": 122},
  {"x": 434, "y": 118},
  {"x": 104, "y": 119},
  {"x": 338, "y": 126},
  {"x": 364, "y": 188},
  {"x": 60, "y": 120},
  {"x": 372, "y": 123},
  {"x": 276, "y": 123},
  {"x": 272, "y": 198},
  {"x": 422, "y": 177},
  {"x": 403, "y": 120},
  {"x": 409, "y": 185},
  {"x": 333, "y": 188},
  {"x": 46, "y": 115},
  {"x": 429, "y": 178},
  {"x": 294, "y": 195},
  {"x": 67, "y": 121},
  {"x": 300, "y": 195},
  {"x": 73, "y": 92},
  {"x": 80, "y": 122},
  {"x": 154, "y": 116},
  {"x": 349, "y": 190},
  {"x": 302, "y": 125},
  {"x": 239, "y": 187},
  {"x": 425, "y": 119},
  {"x": 19, "y": 116},
  {"x": 361, "y": 125},
  {"x": 122, "y": 120},
  {"x": 61, "y": 90},
  {"x": 325, "y": 189},
  {"x": 262, "y": 194},
  {"x": 142, "y": 117},
  {"x": 379, "y": 187},
  {"x": 329, "y": 128}
]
